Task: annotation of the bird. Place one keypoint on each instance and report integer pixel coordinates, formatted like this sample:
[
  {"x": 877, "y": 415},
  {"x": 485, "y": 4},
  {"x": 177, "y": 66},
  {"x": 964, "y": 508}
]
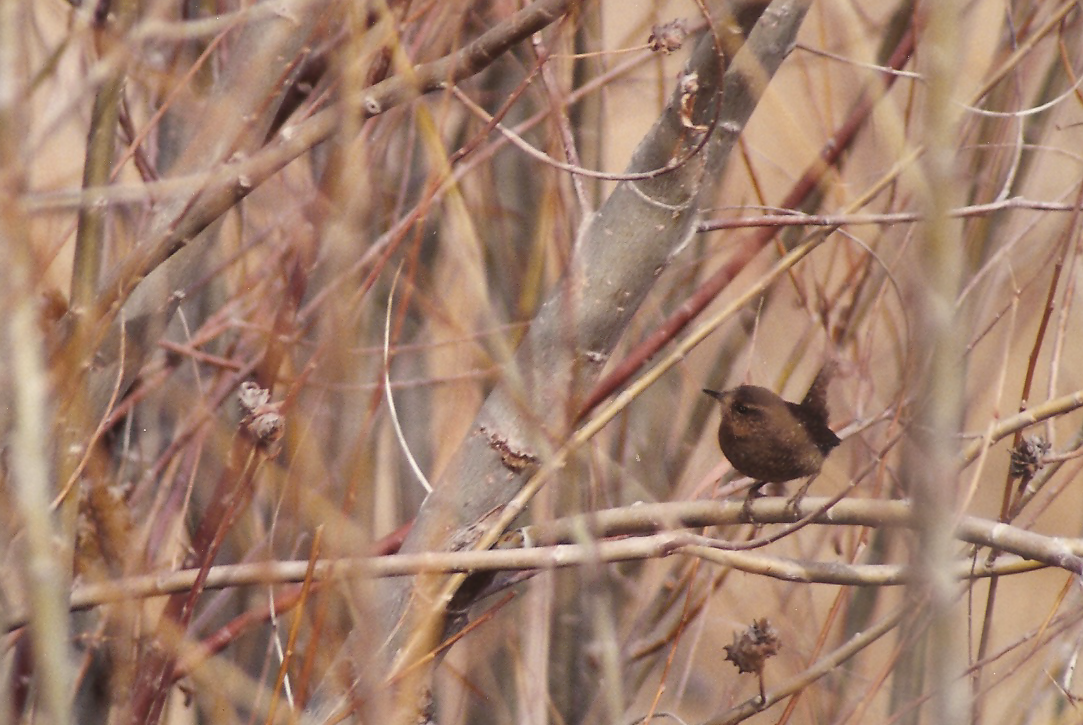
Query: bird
[{"x": 773, "y": 440}]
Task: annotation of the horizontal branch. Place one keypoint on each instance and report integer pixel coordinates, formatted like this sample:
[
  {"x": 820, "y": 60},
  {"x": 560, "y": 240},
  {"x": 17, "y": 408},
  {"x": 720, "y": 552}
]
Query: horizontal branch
[
  {"x": 799, "y": 219},
  {"x": 656, "y": 530}
]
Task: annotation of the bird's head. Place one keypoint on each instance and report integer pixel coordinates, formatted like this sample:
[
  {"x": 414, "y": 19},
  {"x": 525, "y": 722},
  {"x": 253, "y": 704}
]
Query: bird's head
[{"x": 750, "y": 411}]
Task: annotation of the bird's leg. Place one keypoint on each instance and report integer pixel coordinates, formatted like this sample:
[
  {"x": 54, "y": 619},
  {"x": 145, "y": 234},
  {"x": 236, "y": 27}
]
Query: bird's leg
[
  {"x": 753, "y": 494},
  {"x": 793, "y": 506}
]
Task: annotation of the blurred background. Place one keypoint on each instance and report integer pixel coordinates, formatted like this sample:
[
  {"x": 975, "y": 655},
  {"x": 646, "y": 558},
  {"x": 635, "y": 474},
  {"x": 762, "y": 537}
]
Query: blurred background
[{"x": 195, "y": 194}]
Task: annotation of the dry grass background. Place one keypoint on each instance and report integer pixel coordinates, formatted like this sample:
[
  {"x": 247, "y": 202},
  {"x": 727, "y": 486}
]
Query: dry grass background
[{"x": 289, "y": 284}]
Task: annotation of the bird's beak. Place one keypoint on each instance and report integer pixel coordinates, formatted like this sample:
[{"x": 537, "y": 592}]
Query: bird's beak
[{"x": 714, "y": 394}]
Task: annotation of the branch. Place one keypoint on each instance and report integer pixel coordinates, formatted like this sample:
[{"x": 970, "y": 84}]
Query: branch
[
  {"x": 218, "y": 175},
  {"x": 655, "y": 530}
]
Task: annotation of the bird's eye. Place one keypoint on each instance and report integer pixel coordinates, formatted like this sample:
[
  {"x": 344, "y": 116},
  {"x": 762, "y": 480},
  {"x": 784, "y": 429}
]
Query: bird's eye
[{"x": 742, "y": 408}]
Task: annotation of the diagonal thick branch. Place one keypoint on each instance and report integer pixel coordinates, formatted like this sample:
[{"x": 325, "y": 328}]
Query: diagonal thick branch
[{"x": 618, "y": 256}]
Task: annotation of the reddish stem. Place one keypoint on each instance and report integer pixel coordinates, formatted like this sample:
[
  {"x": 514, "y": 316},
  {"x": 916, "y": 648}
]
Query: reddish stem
[{"x": 752, "y": 245}]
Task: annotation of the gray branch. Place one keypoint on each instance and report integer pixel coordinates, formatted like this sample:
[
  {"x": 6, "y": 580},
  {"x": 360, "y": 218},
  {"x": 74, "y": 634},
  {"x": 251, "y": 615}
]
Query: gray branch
[
  {"x": 617, "y": 258},
  {"x": 621, "y": 252}
]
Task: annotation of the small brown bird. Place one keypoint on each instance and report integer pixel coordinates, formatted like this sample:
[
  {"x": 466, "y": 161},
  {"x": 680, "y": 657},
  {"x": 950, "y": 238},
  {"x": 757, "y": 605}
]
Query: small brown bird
[{"x": 773, "y": 440}]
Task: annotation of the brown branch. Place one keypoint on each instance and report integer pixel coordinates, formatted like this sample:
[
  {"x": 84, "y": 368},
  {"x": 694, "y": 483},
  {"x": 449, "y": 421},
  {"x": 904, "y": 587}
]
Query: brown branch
[
  {"x": 232, "y": 176},
  {"x": 713, "y": 286},
  {"x": 235, "y": 179}
]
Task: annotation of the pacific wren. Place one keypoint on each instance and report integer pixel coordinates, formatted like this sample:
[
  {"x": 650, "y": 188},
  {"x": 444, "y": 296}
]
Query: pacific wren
[{"x": 773, "y": 440}]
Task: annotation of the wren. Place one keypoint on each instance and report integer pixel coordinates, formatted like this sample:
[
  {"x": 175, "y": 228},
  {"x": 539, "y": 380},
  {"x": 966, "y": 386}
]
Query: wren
[{"x": 773, "y": 440}]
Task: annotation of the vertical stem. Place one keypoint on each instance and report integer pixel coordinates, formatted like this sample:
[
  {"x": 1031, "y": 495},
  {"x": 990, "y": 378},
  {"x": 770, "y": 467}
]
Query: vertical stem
[
  {"x": 931, "y": 470},
  {"x": 31, "y": 444},
  {"x": 86, "y": 270},
  {"x": 46, "y": 575},
  {"x": 90, "y": 237}
]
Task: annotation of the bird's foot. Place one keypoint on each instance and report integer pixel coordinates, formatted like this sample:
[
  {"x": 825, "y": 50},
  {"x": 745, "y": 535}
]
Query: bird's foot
[
  {"x": 754, "y": 493},
  {"x": 793, "y": 506}
]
